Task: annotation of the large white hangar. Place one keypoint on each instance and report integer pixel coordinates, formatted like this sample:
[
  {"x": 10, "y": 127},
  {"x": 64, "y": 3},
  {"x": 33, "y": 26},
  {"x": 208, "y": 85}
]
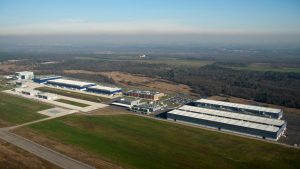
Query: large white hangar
[
  {"x": 72, "y": 84},
  {"x": 262, "y": 127},
  {"x": 241, "y": 108}
]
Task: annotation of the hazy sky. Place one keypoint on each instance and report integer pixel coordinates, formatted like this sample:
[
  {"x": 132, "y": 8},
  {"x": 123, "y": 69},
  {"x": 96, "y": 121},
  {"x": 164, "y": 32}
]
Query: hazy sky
[{"x": 42, "y": 17}]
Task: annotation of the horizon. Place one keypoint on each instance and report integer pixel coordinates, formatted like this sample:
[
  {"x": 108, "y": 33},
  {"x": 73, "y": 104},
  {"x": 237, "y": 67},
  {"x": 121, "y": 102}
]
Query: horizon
[{"x": 230, "y": 21}]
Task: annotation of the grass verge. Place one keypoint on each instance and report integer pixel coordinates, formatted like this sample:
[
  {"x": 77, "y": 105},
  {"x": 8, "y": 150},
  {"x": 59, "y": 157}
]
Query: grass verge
[
  {"x": 77, "y": 95},
  {"x": 139, "y": 142},
  {"x": 72, "y": 103},
  {"x": 15, "y": 110}
]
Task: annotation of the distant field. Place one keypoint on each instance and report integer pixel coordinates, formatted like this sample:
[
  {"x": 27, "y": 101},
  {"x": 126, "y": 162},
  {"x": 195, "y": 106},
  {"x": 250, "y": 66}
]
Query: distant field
[
  {"x": 163, "y": 60},
  {"x": 139, "y": 142},
  {"x": 266, "y": 67},
  {"x": 77, "y": 95},
  {"x": 179, "y": 62},
  {"x": 72, "y": 103},
  {"x": 15, "y": 110}
]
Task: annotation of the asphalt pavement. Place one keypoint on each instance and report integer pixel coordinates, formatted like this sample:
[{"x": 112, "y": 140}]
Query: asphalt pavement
[{"x": 54, "y": 157}]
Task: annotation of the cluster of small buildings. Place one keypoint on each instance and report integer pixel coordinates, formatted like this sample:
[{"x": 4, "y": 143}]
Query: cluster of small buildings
[
  {"x": 38, "y": 94},
  {"x": 127, "y": 102},
  {"x": 243, "y": 119},
  {"x": 150, "y": 95},
  {"x": 135, "y": 105},
  {"x": 147, "y": 108}
]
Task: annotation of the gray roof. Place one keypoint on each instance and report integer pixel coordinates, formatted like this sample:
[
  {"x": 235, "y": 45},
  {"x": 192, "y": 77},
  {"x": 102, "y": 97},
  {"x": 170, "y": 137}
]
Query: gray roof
[
  {"x": 241, "y": 106},
  {"x": 71, "y": 82},
  {"x": 223, "y": 120},
  {"x": 105, "y": 88},
  {"x": 232, "y": 115}
]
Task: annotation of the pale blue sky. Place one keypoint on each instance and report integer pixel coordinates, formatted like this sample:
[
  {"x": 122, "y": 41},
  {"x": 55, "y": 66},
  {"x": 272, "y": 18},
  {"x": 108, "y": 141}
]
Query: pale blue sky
[{"x": 142, "y": 16}]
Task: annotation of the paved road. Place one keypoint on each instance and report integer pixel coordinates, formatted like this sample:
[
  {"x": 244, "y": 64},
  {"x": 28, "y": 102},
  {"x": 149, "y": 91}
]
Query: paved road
[{"x": 43, "y": 152}]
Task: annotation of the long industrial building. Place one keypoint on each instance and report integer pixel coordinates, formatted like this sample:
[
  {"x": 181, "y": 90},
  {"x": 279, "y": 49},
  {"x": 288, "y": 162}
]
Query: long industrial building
[
  {"x": 72, "y": 84},
  {"x": 250, "y": 125},
  {"x": 45, "y": 79},
  {"x": 104, "y": 90},
  {"x": 241, "y": 108}
]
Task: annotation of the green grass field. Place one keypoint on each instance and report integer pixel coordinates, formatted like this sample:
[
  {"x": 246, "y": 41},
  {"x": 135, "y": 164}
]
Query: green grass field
[
  {"x": 139, "y": 142},
  {"x": 16, "y": 110},
  {"x": 72, "y": 103},
  {"x": 4, "y": 86},
  {"x": 77, "y": 95}
]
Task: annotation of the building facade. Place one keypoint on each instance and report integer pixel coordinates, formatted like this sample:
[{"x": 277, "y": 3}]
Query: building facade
[
  {"x": 244, "y": 124},
  {"x": 44, "y": 79},
  {"x": 150, "y": 95},
  {"x": 25, "y": 75},
  {"x": 71, "y": 84},
  {"x": 240, "y": 108},
  {"x": 99, "y": 89}
]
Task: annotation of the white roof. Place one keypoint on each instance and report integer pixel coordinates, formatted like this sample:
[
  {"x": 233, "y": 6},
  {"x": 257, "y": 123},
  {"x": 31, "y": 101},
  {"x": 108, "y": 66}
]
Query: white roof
[
  {"x": 232, "y": 115},
  {"x": 24, "y": 72},
  {"x": 47, "y": 77},
  {"x": 106, "y": 88},
  {"x": 225, "y": 120},
  {"x": 71, "y": 82},
  {"x": 121, "y": 104},
  {"x": 241, "y": 106}
]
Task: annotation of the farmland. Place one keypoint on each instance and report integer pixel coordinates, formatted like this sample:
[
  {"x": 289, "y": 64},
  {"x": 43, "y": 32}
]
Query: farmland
[{"x": 138, "y": 142}]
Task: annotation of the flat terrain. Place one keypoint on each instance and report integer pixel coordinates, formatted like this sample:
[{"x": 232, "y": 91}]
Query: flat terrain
[
  {"x": 12, "y": 157},
  {"x": 43, "y": 152},
  {"x": 77, "y": 95},
  {"x": 72, "y": 102},
  {"x": 162, "y": 60},
  {"x": 140, "y": 81},
  {"x": 138, "y": 142},
  {"x": 16, "y": 110}
]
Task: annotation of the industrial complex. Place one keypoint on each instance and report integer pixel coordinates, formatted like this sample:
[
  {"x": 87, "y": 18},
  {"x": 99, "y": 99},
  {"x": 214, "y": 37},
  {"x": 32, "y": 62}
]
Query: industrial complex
[
  {"x": 59, "y": 81},
  {"x": 71, "y": 84},
  {"x": 145, "y": 94},
  {"x": 255, "y": 121},
  {"x": 242, "y": 108},
  {"x": 236, "y": 121}
]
